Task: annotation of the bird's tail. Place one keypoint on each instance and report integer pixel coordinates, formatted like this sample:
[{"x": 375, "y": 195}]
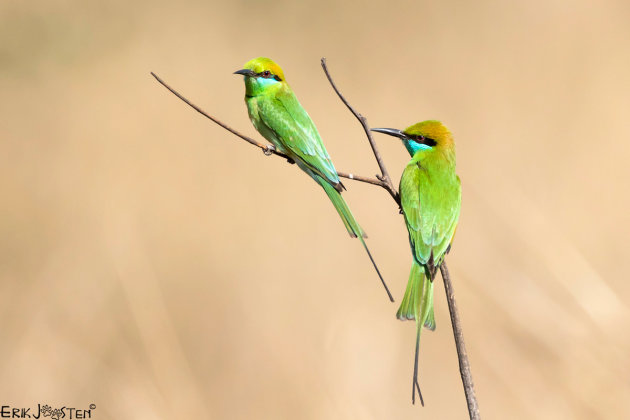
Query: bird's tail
[
  {"x": 350, "y": 223},
  {"x": 342, "y": 208},
  {"x": 417, "y": 304}
]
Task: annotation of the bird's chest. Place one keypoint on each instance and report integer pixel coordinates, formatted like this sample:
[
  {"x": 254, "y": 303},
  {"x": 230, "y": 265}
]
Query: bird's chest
[
  {"x": 434, "y": 187},
  {"x": 253, "y": 109},
  {"x": 429, "y": 198}
]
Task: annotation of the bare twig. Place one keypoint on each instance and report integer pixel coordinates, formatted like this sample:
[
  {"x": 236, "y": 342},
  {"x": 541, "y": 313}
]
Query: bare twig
[
  {"x": 384, "y": 177},
  {"x": 268, "y": 149},
  {"x": 462, "y": 356},
  {"x": 383, "y": 181}
]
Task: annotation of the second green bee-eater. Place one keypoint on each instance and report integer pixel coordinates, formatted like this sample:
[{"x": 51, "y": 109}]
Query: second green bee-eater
[
  {"x": 430, "y": 196},
  {"x": 277, "y": 115}
]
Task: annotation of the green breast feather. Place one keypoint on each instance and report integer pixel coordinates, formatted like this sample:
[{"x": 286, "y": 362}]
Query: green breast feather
[{"x": 431, "y": 208}]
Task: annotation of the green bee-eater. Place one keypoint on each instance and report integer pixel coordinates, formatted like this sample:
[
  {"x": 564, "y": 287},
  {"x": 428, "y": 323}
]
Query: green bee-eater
[
  {"x": 430, "y": 196},
  {"x": 278, "y": 116}
]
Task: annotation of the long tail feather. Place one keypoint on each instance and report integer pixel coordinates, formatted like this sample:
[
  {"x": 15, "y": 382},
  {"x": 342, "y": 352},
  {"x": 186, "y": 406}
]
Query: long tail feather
[
  {"x": 417, "y": 304},
  {"x": 415, "y": 385},
  {"x": 380, "y": 276},
  {"x": 350, "y": 223}
]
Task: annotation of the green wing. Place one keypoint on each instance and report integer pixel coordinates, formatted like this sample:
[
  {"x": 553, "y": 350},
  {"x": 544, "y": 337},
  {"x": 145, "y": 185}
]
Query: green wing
[
  {"x": 431, "y": 208},
  {"x": 292, "y": 126}
]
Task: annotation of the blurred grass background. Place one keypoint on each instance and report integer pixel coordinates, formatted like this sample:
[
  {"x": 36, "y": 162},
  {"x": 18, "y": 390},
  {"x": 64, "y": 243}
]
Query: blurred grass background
[{"x": 158, "y": 267}]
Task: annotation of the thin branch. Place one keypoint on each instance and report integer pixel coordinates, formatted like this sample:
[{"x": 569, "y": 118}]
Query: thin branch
[
  {"x": 384, "y": 177},
  {"x": 267, "y": 149},
  {"x": 462, "y": 356},
  {"x": 360, "y": 178},
  {"x": 383, "y": 181}
]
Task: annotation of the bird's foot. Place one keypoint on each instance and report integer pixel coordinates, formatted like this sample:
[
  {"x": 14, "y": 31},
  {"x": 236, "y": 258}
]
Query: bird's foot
[{"x": 269, "y": 149}]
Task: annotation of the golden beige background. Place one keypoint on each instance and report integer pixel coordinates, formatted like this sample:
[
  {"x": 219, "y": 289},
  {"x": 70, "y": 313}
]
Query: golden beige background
[{"x": 153, "y": 264}]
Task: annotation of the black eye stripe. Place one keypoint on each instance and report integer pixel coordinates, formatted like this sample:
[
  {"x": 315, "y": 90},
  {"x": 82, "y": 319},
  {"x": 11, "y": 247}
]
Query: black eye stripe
[
  {"x": 424, "y": 140},
  {"x": 268, "y": 75}
]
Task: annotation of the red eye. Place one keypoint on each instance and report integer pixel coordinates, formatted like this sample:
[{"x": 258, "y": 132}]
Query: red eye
[{"x": 266, "y": 73}]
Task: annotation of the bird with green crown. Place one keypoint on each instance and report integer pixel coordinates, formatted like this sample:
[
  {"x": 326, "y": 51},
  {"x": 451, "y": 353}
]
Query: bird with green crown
[
  {"x": 430, "y": 196},
  {"x": 277, "y": 115}
]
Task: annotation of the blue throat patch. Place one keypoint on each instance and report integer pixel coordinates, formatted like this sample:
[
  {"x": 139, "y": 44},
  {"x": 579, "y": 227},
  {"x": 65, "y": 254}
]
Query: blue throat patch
[
  {"x": 413, "y": 147},
  {"x": 264, "y": 82}
]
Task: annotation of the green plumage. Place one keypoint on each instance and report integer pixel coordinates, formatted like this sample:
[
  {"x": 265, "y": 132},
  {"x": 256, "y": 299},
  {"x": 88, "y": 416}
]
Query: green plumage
[
  {"x": 279, "y": 117},
  {"x": 276, "y": 113},
  {"x": 430, "y": 196}
]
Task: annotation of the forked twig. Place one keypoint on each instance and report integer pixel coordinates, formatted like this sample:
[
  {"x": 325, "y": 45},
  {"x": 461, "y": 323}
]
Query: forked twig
[
  {"x": 383, "y": 181},
  {"x": 462, "y": 356},
  {"x": 384, "y": 177}
]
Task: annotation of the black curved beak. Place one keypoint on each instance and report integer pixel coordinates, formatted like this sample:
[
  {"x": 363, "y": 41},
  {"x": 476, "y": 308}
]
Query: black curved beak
[
  {"x": 391, "y": 131},
  {"x": 245, "y": 72}
]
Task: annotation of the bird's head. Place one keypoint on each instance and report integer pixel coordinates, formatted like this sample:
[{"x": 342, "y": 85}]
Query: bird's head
[
  {"x": 261, "y": 74},
  {"x": 426, "y": 136}
]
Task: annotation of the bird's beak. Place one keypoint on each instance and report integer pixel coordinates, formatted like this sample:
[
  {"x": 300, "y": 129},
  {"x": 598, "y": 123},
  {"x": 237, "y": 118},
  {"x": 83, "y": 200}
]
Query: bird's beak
[
  {"x": 391, "y": 131},
  {"x": 245, "y": 72}
]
